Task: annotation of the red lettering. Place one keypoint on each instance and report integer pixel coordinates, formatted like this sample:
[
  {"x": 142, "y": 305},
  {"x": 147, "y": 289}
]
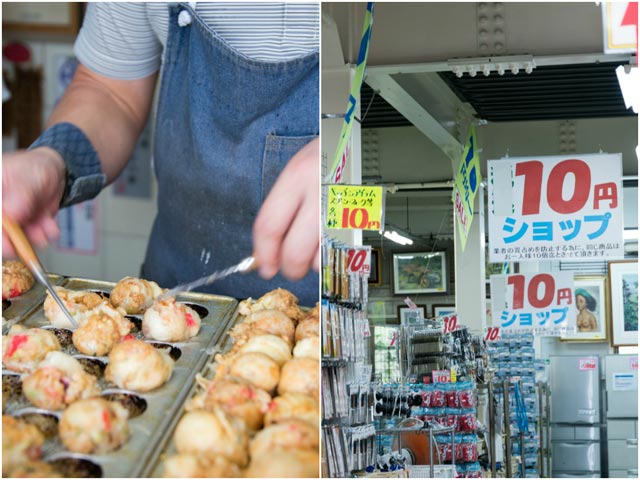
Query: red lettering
[
  {"x": 532, "y": 172},
  {"x": 565, "y": 294},
  {"x": 605, "y": 191},
  {"x": 582, "y": 175},
  {"x": 549, "y": 288}
]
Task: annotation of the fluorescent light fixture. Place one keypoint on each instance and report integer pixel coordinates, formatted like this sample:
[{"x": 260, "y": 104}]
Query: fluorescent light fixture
[
  {"x": 396, "y": 237},
  {"x": 629, "y": 79},
  {"x": 630, "y": 234}
]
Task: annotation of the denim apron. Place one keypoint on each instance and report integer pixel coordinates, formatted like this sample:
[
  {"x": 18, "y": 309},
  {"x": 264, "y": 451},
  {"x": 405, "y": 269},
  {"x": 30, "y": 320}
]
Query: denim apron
[{"x": 226, "y": 126}]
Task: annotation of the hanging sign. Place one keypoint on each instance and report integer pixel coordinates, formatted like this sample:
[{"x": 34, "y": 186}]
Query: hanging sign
[
  {"x": 555, "y": 208},
  {"x": 492, "y": 334},
  {"x": 355, "y": 207},
  {"x": 359, "y": 260},
  {"x": 449, "y": 322},
  {"x": 541, "y": 303},
  {"x": 620, "y": 27},
  {"x": 342, "y": 150},
  {"x": 466, "y": 186}
]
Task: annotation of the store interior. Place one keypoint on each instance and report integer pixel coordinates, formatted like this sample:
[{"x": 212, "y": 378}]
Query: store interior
[{"x": 534, "y": 81}]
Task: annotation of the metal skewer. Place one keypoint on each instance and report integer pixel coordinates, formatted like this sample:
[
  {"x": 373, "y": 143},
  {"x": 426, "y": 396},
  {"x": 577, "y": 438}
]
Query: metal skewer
[{"x": 26, "y": 253}]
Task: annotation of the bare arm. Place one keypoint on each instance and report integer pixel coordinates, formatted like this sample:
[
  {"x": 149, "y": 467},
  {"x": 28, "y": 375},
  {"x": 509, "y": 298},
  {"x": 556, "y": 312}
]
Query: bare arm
[{"x": 112, "y": 113}]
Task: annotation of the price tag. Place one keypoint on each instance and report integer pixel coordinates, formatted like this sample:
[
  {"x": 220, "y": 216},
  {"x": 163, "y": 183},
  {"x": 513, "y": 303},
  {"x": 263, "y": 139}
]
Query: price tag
[
  {"x": 450, "y": 323},
  {"x": 441, "y": 376},
  {"x": 555, "y": 208},
  {"x": 492, "y": 334},
  {"x": 588, "y": 364},
  {"x": 367, "y": 331},
  {"x": 355, "y": 207},
  {"x": 539, "y": 302},
  {"x": 633, "y": 363},
  {"x": 359, "y": 260}
]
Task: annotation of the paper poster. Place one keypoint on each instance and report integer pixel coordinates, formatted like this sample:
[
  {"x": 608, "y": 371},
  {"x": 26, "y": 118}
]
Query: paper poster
[
  {"x": 625, "y": 382},
  {"x": 355, "y": 207},
  {"x": 541, "y": 303},
  {"x": 555, "y": 208}
]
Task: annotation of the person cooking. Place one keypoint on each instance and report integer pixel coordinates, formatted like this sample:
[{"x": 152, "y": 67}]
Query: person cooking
[
  {"x": 236, "y": 151},
  {"x": 586, "y": 305}
]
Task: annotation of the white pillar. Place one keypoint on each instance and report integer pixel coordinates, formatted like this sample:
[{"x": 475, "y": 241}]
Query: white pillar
[{"x": 470, "y": 286}]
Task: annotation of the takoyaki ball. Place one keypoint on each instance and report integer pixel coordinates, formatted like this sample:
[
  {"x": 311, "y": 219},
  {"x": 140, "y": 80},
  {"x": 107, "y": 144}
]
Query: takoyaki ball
[
  {"x": 309, "y": 327},
  {"x": 292, "y": 433},
  {"x": 293, "y": 405},
  {"x": 212, "y": 433},
  {"x": 278, "y": 299},
  {"x": 16, "y": 279},
  {"x": 136, "y": 365},
  {"x": 58, "y": 381},
  {"x": 308, "y": 347},
  {"x": 94, "y": 425},
  {"x": 256, "y": 368},
  {"x": 33, "y": 469},
  {"x": 170, "y": 321},
  {"x": 134, "y": 295},
  {"x": 291, "y": 463},
  {"x": 271, "y": 345},
  {"x": 236, "y": 397},
  {"x": 79, "y": 303},
  {"x": 23, "y": 348},
  {"x": 21, "y": 443},
  {"x": 300, "y": 375},
  {"x": 190, "y": 465},
  {"x": 98, "y": 333},
  {"x": 273, "y": 322}
]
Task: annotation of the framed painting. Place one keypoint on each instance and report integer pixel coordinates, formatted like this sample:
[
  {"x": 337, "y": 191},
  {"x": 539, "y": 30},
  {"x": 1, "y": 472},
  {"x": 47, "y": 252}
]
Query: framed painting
[
  {"x": 623, "y": 288},
  {"x": 48, "y": 17},
  {"x": 591, "y": 309},
  {"x": 419, "y": 272},
  {"x": 410, "y": 316},
  {"x": 375, "y": 273},
  {"x": 439, "y": 309}
]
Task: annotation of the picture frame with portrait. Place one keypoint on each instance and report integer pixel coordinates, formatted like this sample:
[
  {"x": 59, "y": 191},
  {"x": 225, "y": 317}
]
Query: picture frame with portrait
[
  {"x": 420, "y": 272},
  {"x": 591, "y": 309},
  {"x": 375, "y": 272},
  {"x": 623, "y": 288}
]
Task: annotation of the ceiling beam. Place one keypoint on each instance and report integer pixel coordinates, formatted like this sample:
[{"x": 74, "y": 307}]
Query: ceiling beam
[{"x": 386, "y": 86}]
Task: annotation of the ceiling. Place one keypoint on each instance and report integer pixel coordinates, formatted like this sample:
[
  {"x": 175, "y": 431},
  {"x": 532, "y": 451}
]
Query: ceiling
[{"x": 555, "y": 92}]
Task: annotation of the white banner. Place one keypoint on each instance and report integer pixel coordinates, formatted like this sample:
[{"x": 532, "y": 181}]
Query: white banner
[
  {"x": 555, "y": 208},
  {"x": 542, "y": 303}
]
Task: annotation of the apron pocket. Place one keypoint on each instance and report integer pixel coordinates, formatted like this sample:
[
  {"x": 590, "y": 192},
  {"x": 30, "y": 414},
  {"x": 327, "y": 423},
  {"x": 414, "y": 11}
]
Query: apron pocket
[{"x": 278, "y": 151}]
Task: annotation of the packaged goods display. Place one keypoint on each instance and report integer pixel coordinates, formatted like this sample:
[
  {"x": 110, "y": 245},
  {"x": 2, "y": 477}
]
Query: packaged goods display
[{"x": 347, "y": 396}]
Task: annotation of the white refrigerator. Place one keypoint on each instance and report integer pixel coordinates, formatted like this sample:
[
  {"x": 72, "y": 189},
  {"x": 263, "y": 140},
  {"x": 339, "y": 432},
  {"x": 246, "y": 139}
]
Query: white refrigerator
[
  {"x": 575, "y": 416},
  {"x": 621, "y": 379}
]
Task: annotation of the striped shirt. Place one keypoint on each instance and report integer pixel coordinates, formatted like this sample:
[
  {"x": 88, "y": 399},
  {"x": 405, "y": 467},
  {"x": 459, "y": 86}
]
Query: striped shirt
[{"x": 126, "y": 40}]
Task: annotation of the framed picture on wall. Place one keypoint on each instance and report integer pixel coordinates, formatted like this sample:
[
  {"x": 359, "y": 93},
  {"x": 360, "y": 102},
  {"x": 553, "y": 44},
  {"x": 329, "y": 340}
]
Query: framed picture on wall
[
  {"x": 409, "y": 316},
  {"x": 48, "y": 17},
  {"x": 419, "y": 272},
  {"x": 591, "y": 309},
  {"x": 375, "y": 274},
  {"x": 439, "y": 309},
  {"x": 623, "y": 288}
]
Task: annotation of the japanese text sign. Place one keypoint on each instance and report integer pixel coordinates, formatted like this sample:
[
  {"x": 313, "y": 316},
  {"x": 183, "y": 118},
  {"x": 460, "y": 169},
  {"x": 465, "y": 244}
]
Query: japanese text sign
[
  {"x": 355, "y": 207},
  {"x": 620, "y": 27},
  {"x": 542, "y": 303},
  {"x": 466, "y": 186},
  {"x": 555, "y": 208}
]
